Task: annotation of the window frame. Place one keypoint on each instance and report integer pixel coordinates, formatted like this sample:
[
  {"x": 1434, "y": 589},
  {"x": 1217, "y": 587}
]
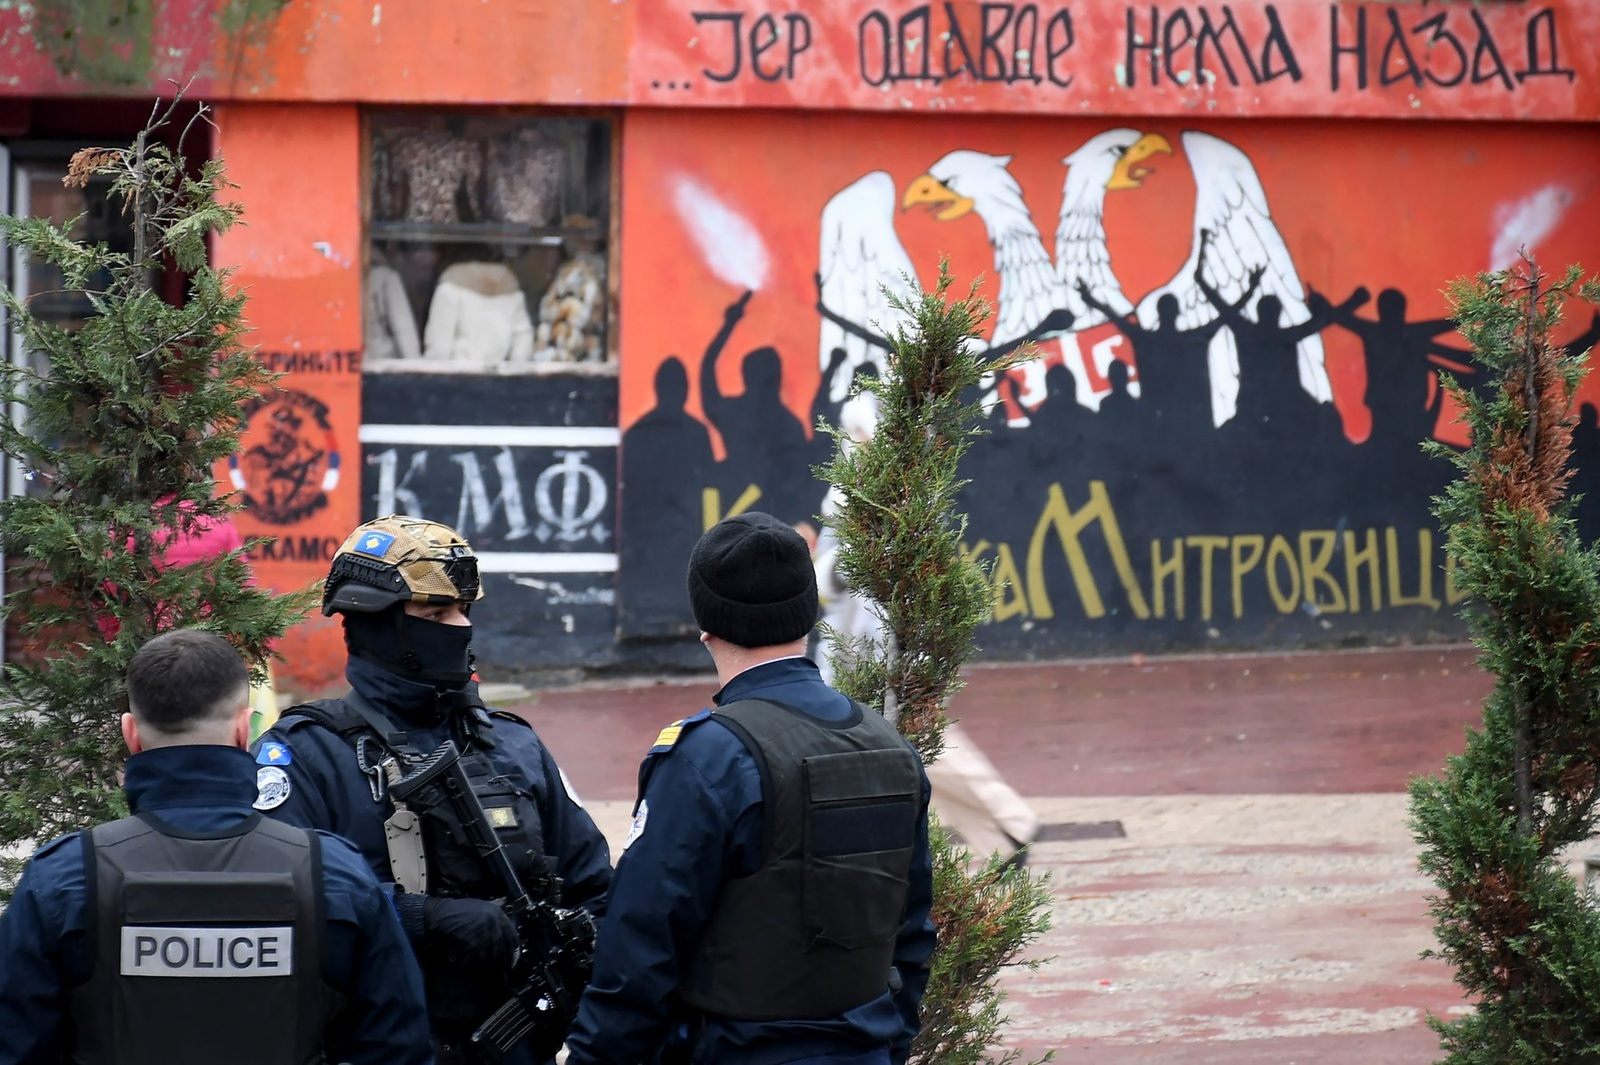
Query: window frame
[{"x": 610, "y": 235}]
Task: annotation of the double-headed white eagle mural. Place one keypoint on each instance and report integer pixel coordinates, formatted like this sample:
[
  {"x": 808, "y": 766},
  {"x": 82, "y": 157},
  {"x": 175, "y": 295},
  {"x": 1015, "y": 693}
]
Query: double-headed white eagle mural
[{"x": 1039, "y": 298}]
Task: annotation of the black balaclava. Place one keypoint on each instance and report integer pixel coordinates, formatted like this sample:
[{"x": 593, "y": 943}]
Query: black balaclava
[{"x": 411, "y": 647}]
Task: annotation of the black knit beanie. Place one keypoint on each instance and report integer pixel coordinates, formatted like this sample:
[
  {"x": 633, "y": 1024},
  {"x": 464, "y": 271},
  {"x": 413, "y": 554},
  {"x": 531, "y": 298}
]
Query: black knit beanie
[{"x": 751, "y": 582}]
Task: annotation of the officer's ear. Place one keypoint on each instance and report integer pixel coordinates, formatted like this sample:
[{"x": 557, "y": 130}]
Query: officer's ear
[
  {"x": 130, "y": 734},
  {"x": 241, "y": 727}
]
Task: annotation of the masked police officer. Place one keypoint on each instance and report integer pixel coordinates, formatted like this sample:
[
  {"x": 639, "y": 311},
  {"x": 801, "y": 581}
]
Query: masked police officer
[
  {"x": 772, "y": 900},
  {"x": 404, "y": 587},
  {"x": 195, "y": 931}
]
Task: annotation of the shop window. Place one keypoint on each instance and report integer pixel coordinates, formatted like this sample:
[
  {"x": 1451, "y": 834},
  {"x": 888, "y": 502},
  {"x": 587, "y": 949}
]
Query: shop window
[
  {"x": 488, "y": 245},
  {"x": 91, "y": 215}
]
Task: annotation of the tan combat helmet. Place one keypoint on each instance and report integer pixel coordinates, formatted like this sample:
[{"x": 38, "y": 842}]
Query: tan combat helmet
[{"x": 398, "y": 559}]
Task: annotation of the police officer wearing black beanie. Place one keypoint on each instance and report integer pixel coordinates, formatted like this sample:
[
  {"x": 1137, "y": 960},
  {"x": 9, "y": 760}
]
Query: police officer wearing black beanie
[{"x": 772, "y": 900}]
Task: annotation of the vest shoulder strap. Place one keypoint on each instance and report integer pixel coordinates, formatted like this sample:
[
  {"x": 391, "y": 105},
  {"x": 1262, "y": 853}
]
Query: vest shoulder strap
[
  {"x": 113, "y": 832},
  {"x": 333, "y": 714}
]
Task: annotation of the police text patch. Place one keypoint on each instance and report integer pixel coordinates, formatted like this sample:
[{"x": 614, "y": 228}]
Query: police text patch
[{"x": 149, "y": 950}]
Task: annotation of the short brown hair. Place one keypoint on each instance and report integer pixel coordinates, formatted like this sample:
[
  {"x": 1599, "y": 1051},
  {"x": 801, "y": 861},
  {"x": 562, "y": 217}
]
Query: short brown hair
[{"x": 184, "y": 677}]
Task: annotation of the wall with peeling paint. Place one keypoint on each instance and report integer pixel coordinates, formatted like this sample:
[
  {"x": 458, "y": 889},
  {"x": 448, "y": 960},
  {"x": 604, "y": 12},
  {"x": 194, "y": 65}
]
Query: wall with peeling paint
[
  {"x": 298, "y": 172},
  {"x": 1491, "y": 60}
]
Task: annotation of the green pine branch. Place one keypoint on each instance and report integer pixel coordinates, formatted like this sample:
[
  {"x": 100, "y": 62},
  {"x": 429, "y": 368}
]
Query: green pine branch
[
  {"x": 900, "y": 536},
  {"x": 1523, "y": 938},
  {"x": 124, "y": 421}
]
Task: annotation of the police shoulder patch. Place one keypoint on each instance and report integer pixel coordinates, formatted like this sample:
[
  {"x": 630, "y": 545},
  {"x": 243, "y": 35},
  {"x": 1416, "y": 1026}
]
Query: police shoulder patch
[
  {"x": 273, "y": 754},
  {"x": 668, "y": 736},
  {"x": 272, "y": 788},
  {"x": 636, "y": 829}
]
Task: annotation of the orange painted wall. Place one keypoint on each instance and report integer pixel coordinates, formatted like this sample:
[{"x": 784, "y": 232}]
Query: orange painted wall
[
  {"x": 397, "y": 51},
  {"x": 1534, "y": 60},
  {"x": 298, "y": 256}
]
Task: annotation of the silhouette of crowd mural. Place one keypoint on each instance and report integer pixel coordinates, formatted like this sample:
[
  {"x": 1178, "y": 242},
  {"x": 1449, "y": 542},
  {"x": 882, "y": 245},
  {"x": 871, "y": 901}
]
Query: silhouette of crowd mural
[{"x": 1230, "y": 459}]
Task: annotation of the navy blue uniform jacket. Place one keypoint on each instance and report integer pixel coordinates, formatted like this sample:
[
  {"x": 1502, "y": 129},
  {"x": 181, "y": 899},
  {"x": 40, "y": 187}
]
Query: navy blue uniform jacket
[
  {"x": 327, "y": 789},
  {"x": 44, "y": 949},
  {"x": 701, "y": 826}
]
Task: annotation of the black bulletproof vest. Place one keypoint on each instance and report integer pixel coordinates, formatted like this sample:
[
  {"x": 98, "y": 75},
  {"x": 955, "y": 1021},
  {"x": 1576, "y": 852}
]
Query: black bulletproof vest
[
  {"x": 208, "y": 946},
  {"x": 455, "y": 993},
  {"x": 811, "y": 933}
]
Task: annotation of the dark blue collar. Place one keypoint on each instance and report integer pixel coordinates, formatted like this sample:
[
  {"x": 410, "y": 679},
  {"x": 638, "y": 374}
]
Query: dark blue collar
[
  {"x": 766, "y": 675},
  {"x": 415, "y": 703},
  {"x": 173, "y": 777},
  {"x": 794, "y": 682}
]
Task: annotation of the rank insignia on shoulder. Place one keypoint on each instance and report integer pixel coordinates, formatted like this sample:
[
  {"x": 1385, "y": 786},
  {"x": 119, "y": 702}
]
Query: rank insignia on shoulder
[
  {"x": 669, "y": 735},
  {"x": 273, "y": 754}
]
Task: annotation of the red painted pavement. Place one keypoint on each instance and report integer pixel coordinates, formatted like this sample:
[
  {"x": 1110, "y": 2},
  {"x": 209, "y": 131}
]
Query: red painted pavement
[
  {"x": 1252, "y": 915},
  {"x": 1350, "y": 721}
]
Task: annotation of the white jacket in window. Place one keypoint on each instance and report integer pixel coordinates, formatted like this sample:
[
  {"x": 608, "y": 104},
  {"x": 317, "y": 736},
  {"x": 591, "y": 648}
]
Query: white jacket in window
[
  {"x": 478, "y": 315},
  {"x": 391, "y": 329}
]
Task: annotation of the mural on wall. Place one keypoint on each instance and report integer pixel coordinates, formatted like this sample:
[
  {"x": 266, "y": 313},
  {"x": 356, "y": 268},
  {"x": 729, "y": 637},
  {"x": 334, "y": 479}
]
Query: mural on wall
[
  {"x": 1238, "y": 333},
  {"x": 291, "y": 462}
]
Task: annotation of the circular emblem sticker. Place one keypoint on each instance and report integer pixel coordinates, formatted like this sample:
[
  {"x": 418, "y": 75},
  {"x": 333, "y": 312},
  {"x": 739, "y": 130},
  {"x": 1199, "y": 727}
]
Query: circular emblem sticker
[
  {"x": 292, "y": 458},
  {"x": 272, "y": 787}
]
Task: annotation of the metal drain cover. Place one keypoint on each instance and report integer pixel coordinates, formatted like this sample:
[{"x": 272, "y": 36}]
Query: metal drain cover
[{"x": 1068, "y": 831}]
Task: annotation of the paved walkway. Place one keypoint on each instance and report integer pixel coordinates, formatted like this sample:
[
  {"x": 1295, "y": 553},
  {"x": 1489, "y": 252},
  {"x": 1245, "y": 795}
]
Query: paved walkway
[{"x": 1263, "y": 905}]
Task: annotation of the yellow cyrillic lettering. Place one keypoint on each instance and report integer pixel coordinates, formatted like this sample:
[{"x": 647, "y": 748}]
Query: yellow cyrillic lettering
[
  {"x": 1353, "y": 561},
  {"x": 1160, "y": 571},
  {"x": 1240, "y": 566},
  {"x": 1068, "y": 525}
]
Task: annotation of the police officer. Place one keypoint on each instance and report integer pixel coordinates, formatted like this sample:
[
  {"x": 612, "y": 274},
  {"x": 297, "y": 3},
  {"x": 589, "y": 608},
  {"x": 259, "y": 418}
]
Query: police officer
[
  {"x": 772, "y": 900},
  {"x": 404, "y": 587},
  {"x": 195, "y": 931}
]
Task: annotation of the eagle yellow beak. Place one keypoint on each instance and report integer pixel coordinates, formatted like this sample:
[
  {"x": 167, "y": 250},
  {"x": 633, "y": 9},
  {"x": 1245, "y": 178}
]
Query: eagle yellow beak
[
  {"x": 1128, "y": 174},
  {"x": 938, "y": 197}
]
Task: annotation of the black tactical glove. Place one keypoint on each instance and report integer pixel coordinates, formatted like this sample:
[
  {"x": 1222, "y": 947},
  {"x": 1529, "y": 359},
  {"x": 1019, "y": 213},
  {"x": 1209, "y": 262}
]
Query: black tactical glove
[{"x": 470, "y": 932}]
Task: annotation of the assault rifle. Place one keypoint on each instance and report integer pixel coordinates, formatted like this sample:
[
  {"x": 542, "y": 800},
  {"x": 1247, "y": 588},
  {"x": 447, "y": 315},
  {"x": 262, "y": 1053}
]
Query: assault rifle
[{"x": 557, "y": 945}]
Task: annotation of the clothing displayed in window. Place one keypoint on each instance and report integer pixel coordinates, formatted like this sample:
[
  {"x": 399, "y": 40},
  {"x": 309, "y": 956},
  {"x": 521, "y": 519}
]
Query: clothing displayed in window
[
  {"x": 427, "y": 177},
  {"x": 572, "y": 313},
  {"x": 479, "y": 316},
  {"x": 390, "y": 326},
  {"x": 524, "y": 177}
]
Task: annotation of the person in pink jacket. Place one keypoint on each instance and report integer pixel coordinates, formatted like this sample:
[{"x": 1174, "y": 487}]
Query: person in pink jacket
[{"x": 207, "y": 538}]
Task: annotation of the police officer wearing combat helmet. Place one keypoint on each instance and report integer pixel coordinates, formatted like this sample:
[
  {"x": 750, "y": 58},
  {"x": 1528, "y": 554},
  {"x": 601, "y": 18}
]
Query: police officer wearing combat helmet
[
  {"x": 403, "y": 587},
  {"x": 195, "y": 931},
  {"x": 772, "y": 900}
]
